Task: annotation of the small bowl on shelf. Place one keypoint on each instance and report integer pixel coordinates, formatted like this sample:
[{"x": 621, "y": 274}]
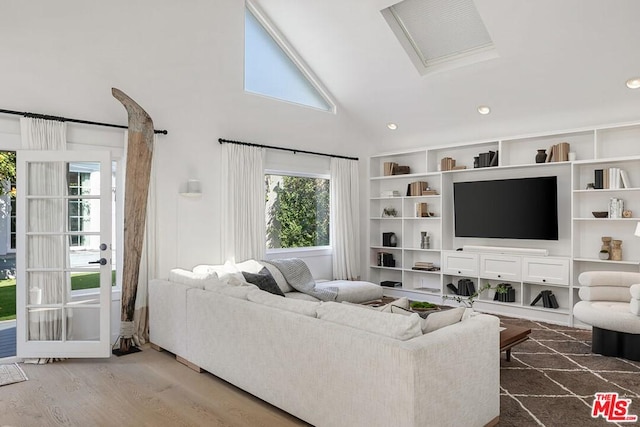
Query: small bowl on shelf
[{"x": 600, "y": 214}]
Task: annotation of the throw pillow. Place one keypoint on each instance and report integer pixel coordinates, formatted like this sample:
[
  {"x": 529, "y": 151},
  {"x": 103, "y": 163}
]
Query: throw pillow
[
  {"x": 264, "y": 280},
  {"x": 277, "y": 275},
  {"x": 441, "y": 319},
  {"x": 189, "y": 278},
  {"x": 250, "y": 266}
]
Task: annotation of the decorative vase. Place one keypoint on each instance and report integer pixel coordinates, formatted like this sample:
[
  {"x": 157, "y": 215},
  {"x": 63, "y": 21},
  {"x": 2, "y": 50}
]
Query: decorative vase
[
  {"x": 603, "y": 255},
  {"x": 616, "y": 250},
  {"x": 541, "y": 157}
]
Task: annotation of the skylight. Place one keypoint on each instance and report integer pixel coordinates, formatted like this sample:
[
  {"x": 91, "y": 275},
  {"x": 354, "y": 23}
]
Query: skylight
[
  {"x": 440, "y": 34},
  {"x": 272, "y": 69}
]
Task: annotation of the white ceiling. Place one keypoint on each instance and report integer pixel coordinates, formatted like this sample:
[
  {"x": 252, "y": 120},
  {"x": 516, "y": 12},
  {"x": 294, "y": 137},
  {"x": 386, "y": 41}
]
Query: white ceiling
[{"x": 562, "y": 64}]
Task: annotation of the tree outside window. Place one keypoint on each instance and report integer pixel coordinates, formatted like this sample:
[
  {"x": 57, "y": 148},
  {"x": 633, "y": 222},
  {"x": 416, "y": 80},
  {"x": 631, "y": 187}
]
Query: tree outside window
[{"x": 297, "y": 211}]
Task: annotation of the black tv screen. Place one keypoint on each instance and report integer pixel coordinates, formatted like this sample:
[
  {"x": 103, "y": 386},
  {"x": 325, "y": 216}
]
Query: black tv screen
[{"x": 523, "y": 208}]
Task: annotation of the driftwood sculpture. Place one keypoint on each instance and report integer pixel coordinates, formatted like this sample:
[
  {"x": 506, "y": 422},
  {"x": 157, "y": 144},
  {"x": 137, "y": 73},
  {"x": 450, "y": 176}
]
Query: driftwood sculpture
[{"x": 139, "y": 153}]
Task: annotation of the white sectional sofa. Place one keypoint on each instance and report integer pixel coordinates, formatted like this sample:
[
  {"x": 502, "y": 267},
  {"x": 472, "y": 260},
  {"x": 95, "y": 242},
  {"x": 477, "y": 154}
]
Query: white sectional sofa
[{"x": 329, "y": 363}]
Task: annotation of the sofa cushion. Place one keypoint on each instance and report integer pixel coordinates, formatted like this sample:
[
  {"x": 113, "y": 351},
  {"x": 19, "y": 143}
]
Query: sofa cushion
[
  {"x": 307, "y": 308},
  {"x": 300, "y": 295},
  {"x": 264, "y": 280},
  {"x": 608, "y": 278},
  {"x": 611, "y": 315},
  {"x": 189, "y": 278},
  {"x": 224, "y": 272},
  {"x": 214, "y": 283},
  {"x": 634, "y": 307},
  {"x": 386, "y": 324},
  {"x": 604, "y": 293},
  {"x": 440, "y": 319},
  {"x": 277, "y": 275},
  {"x": 353, "y": 290},
  {"x": 235, "y": 291}
]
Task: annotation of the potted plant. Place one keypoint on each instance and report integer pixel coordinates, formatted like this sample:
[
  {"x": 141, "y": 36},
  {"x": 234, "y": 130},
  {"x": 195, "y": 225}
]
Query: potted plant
[{"x": 467, "y": 301}]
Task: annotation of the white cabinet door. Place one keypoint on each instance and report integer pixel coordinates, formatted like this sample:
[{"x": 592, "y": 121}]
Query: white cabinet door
[
  {"x": 546, "y": 270},
  {"x": 501, "y": 267},
  {"x": 459, "y": 263}
]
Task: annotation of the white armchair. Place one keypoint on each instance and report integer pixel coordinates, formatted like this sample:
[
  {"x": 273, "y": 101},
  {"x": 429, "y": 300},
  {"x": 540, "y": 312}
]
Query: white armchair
[{"x": 611, "y": 305}]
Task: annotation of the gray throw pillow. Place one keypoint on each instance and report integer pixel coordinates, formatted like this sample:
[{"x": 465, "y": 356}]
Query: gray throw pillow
[{"x": 264, "y": 280}]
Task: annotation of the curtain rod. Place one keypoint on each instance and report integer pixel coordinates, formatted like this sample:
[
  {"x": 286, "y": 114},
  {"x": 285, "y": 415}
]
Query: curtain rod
[
  {"x": 251, "y": 144},
  {"x": 66, "y": 119}
]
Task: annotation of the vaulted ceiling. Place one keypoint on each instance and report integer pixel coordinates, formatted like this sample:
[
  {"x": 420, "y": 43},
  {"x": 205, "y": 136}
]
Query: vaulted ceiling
[{"x": 561, "y": 64}]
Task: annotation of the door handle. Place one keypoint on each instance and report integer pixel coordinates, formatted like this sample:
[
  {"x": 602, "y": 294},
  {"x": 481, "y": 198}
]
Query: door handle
[{"x": 101, "y": 261}]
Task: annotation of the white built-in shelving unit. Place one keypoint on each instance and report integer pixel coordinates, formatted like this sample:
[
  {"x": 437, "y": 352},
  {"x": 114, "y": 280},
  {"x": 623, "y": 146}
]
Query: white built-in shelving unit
[{"x": 580, "y": 233}]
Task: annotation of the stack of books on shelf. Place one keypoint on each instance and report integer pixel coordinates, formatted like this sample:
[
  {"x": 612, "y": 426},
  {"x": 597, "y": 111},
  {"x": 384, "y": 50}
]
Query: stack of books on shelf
[
  {"x": 548, "y": 299},
  {"x": 388, "y": 168},
  {"x": 385, "y": 259},
  {"x": 506, "y": 293},
  {"x": 425, "y": 266},
  {"x": 611, "y": 178},
  {"x": 558, "y": 152},
  {"x": 421, "y": 210},
  {"x": 429, "y": 192},
  {"x": 485, "y": 160},
  {"x": 465, "y": 288},
  {"x": 392, "y": 168},
  {"x": 416, "y": 188},
  {"x": 447, "y": 163}
]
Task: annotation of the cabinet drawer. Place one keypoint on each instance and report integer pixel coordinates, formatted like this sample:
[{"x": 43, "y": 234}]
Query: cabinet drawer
[
  {"x": 460, "y": 263},
  {"x": 546, "y": 270},
  {"x": 501, "y": 267}
]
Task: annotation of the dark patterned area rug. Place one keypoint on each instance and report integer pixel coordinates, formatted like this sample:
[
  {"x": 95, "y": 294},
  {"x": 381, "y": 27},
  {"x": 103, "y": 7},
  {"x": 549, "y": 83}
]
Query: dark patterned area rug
[{"x": 552, "y": 378}]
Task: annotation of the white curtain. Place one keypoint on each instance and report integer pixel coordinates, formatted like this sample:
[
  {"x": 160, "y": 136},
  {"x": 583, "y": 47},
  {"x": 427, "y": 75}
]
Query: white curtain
[
  {"x": 345, "y": 219},
  {"x": 148, "y": 257},
  {"x": 244, "y": 202},
  {"x": 46, "y": 215}
]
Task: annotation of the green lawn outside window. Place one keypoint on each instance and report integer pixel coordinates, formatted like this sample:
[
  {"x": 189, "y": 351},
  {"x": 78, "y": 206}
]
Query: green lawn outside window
[{"x": 8, "y": 291}]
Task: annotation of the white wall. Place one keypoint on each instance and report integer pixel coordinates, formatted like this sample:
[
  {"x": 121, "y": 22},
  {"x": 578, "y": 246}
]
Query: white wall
[{"x": 184, "y": 65}]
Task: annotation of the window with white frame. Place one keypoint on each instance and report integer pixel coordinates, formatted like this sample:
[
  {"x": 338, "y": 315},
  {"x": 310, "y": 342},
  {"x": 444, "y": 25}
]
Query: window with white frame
[
  {"x": 297, "y": 208},
  {"x": 272, "y": 68}
]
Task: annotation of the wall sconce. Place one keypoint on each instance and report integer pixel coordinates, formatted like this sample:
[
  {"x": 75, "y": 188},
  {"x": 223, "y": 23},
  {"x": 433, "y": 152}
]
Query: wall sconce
[{"x": 193, "y": 188}]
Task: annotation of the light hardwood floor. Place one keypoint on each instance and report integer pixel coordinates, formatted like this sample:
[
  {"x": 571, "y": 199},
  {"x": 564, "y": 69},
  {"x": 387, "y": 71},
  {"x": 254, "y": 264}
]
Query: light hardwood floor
[{"x": 149, "y": 388}]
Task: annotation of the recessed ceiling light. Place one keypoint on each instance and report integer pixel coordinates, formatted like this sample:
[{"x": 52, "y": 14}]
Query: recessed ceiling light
[
  {"x": 483, "y": 109},
  {"x": 633, "y": 83},
  {"x": 392, "y": 126}
]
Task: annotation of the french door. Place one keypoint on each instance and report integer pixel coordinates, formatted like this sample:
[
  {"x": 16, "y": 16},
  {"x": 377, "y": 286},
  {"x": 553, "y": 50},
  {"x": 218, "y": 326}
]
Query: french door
[{"x": 57, "y": 214}]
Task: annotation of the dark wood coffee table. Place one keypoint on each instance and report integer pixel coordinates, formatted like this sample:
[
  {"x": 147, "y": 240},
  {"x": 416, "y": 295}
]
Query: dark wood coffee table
[{"x": 511, "y": 336}]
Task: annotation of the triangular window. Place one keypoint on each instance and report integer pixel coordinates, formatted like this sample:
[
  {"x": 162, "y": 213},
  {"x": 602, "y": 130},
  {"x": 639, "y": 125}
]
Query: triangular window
[{"x": 271, "y": 68}]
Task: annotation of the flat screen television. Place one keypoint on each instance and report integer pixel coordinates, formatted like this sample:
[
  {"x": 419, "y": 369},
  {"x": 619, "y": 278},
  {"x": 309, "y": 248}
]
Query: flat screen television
[{"x": 522, "y": 208}]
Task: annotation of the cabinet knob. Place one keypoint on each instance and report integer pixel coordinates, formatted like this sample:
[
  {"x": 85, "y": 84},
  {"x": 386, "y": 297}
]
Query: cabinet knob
[
  {"x": 544, "y": 280},
  {"x": 459, "y": 272},
  {"x": 499, "y": 276}
]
